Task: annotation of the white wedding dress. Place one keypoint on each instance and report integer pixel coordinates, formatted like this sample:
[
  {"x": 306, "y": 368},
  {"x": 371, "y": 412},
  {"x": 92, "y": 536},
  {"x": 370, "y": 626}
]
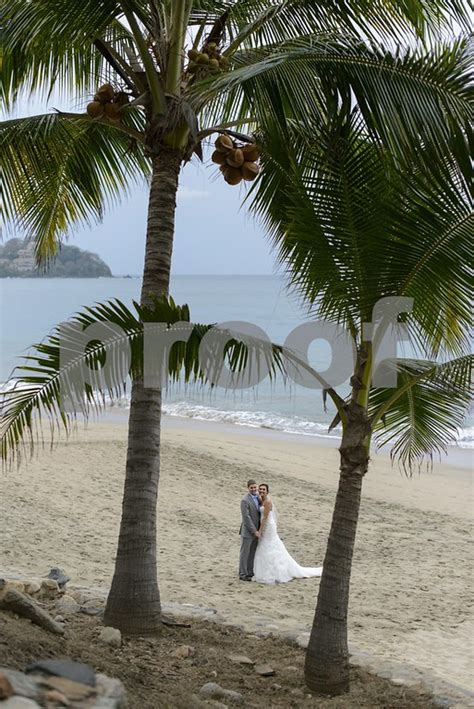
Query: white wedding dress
[{"x": 273, "y": 564}]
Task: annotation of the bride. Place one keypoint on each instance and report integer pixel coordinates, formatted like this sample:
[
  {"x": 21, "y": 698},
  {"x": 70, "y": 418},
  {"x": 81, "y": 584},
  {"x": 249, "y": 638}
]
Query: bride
[{"x": 273, "y": 564}]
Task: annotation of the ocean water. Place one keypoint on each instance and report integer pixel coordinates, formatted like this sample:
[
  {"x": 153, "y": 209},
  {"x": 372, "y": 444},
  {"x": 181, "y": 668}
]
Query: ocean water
[{"x": 30, "y": 308}]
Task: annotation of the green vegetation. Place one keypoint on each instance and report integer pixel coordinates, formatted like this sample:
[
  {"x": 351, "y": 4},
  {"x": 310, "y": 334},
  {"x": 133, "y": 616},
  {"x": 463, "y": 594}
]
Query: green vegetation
[{"x": 17, "y": 260}]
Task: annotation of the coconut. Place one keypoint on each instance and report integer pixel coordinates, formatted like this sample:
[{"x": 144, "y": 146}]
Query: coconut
[
  {"x": 214, "y": 65},
  {"x": 202, "y": 58},
  {"x": 121, "y": 98},
  {"x": 250, "y": 171},
  {"x": 105, "y": 93},
  {"x": 112, "y": 112},
  {"x": 211, "y": 47},
  {"x": 235, "y": 158},
  {"x": 193, "y": 54},
  {"x": 232, "y": 175},
  {"x": 192, "y": 67},
  {"x": 218, "y": 158},
  {"x": 251, "y": 152},
  {"x": 95, "y": 109},
  {"x": 224, "y": 62},
  {"x": 224, "y": 144}
]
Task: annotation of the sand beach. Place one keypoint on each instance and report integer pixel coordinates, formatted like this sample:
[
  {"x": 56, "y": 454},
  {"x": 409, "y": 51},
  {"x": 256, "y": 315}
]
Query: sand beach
[{"x": 411, "y": 598}]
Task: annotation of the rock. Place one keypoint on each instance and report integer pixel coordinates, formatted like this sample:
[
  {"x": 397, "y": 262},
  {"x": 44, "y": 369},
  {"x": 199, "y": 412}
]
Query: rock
[
  {"x": 66, "y": 605},
  {"x": 110, "y": 636},
  {"x": 74, "y": 691},
  {"x": 94, "y": 601},
  {"x": 264, "y": 670},
  {"x": 290, "y": 668},
  {"x": 57, "y": 697},
  {"x": 297, "y": 692},
  {"x": 303, "y": 640},
  {"x": 19, "y": 703},
  {"x": 276, "y": 687},
  {"x": 183, "y": 651},
  {"x": 49, "y": 588},
  {"x": 241, "y": 659},
  {"x": 75, "y": 671},
  {"x": 78, "y": 596},
  {"x": 59, "y": 576},
  {"x": 90, "y": 610},
  {"x": 16, "y": 585},
  {"x": 58, "y": 619},
  {"x": 32, "y": 587},
  {"x": 22, "y": 684},
  {"x": 215, "y": 691},
  {"x": 6, "y": 689},
  {"x": 111, "y": 688}
]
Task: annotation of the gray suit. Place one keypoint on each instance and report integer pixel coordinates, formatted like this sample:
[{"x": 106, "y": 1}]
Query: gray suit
[{"x": 250, "y": 525}]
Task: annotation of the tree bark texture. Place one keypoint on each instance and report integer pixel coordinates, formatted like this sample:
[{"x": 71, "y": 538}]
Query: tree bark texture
[{"x": 133, "y": 604}]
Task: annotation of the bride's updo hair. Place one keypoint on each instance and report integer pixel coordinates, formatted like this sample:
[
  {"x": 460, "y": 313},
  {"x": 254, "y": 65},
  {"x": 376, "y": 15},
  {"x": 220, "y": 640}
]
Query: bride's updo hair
[{"x": 265, "y": 485}]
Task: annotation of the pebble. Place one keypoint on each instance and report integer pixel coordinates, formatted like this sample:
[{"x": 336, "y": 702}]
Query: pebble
[
  {"x": 32, "y": 587},
  {"x": 59, "y": 576},
  {"x": 59, "y": 619},
  {"x": 303, "y": 640},
  {"x": 241, "y": 659},
  {"x": 111, "y": 636},
  {"x": 183, "y": 651},
  {"x": 49, "y": 587},
  {"x": 264, "y": 670},
  {"x": 297, "y": 692},
  {"x": 19, "y": 703},
  {"x": 215, "y": 691},
  {"x": 67, "y": 605}
]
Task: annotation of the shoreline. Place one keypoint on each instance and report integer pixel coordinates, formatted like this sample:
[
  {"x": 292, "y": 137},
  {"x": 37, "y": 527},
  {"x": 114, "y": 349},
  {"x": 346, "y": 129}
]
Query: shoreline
[
  {"x": 457, "y": 456},
  {"x": 411, "y": 584}
]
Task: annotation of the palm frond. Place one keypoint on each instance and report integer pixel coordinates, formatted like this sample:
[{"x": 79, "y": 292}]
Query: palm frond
[
  {"x": 429, "y": 255},
  {"x": 424, "y": 415},
  {"x": 65, "y": 375},
  {"x": 406, "y": 99},
  {"x": 253, "y": 22},
  {"x": 50, "y": 45},
  {"x": 351, "y": 228},
  {"x": 59, "y": 172}
]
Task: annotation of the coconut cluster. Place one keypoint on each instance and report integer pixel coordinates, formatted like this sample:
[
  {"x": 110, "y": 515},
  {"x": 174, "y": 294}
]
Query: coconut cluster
[
  {"x": 107, "y": 103},
  {"x": 208, "y": 60},
  {"x": 236, "y": 161}
]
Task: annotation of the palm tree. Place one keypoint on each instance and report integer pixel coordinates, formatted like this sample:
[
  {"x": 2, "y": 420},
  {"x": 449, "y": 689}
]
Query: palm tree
[
  {"x": 153, "y": 113},
  {"x": 353, "y": 226}
]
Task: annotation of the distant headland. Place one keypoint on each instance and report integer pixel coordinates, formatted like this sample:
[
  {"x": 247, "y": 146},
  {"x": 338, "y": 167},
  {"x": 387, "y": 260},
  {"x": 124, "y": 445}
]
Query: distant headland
[{"x": 17, "y": 260}]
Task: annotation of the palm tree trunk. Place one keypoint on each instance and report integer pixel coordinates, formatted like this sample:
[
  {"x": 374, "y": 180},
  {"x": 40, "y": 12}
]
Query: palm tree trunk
[
  {"x": 327, "y": 657},
  {"x": 133, "y": 604}
]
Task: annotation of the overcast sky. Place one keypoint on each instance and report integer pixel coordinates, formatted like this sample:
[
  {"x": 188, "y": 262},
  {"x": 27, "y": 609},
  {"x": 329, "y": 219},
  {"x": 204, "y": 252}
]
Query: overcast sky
[{"x": 214, "y": 234}]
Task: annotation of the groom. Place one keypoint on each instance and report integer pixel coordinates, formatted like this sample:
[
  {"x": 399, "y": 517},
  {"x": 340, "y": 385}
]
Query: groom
[{"x": 249, "y": 534}]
